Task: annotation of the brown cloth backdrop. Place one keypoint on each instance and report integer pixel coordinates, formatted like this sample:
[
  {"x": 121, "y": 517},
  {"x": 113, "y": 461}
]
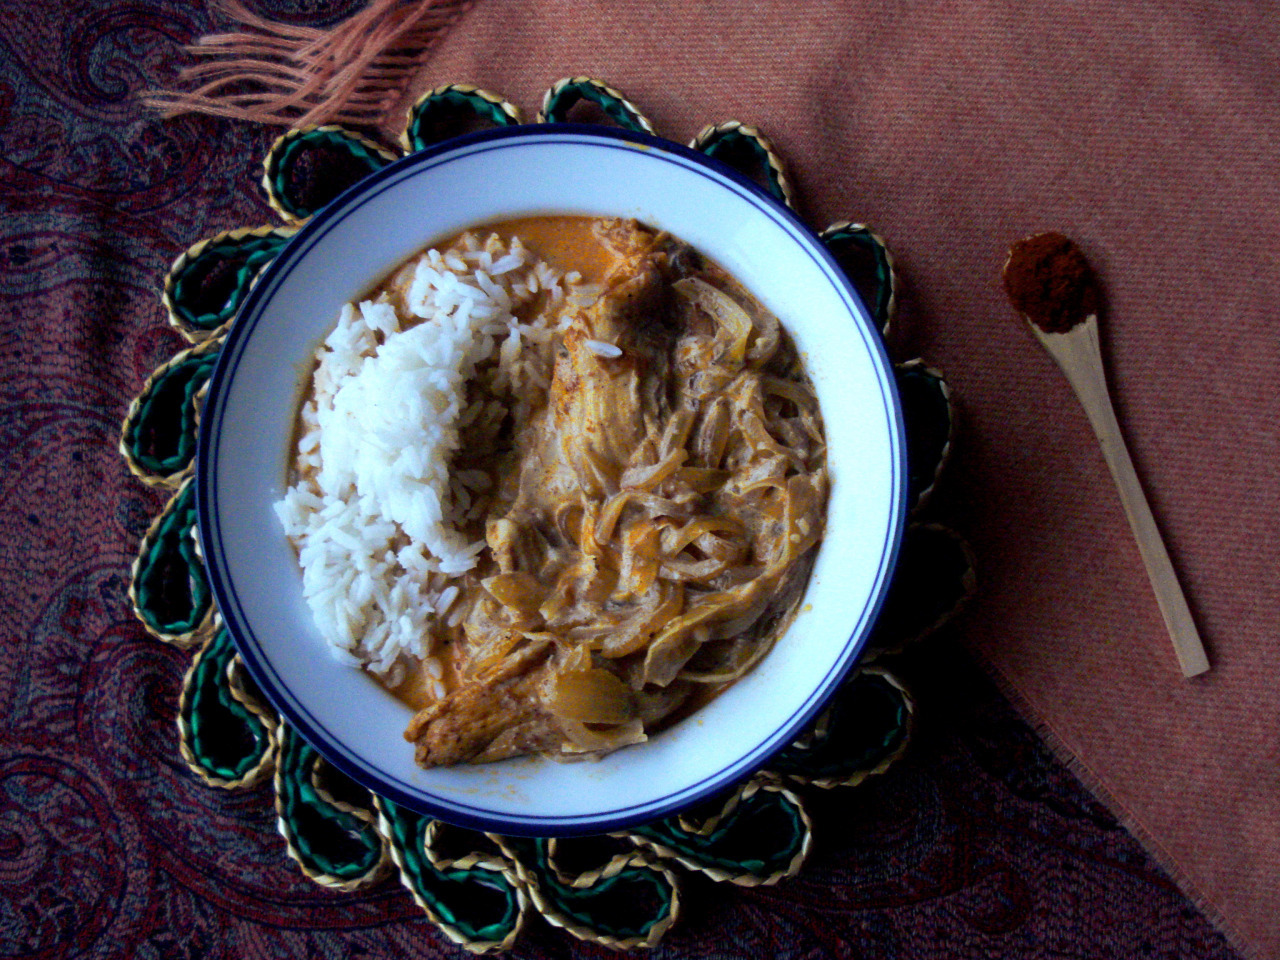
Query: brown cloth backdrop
[{"x": 1150, "y": 133}]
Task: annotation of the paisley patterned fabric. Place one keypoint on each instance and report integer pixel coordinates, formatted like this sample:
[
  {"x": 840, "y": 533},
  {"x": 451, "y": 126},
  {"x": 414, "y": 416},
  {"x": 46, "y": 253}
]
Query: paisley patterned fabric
[{"x": 977, "y": 843}]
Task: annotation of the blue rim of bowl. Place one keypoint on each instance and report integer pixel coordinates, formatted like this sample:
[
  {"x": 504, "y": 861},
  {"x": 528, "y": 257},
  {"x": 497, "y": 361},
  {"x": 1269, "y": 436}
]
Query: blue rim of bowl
[{"x": 325, "y": 741}]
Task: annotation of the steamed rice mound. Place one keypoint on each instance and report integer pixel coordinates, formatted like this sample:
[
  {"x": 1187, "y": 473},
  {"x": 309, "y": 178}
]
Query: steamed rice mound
[{"x": 374, "y": 512}]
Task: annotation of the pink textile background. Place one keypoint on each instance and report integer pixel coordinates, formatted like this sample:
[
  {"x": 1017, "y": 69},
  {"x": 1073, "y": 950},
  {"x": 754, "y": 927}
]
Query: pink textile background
[{"x": 1151, "y": 134}]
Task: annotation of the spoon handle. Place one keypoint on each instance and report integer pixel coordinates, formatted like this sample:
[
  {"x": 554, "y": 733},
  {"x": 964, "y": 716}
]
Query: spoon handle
[{"x": 1079, "y": 355}]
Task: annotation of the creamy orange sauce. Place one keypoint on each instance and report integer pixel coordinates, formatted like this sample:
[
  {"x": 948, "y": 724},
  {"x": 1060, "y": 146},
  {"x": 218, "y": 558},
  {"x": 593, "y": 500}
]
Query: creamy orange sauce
[
  {"x": 567, "y": 243},
  {"x": 416, "y": 689}
]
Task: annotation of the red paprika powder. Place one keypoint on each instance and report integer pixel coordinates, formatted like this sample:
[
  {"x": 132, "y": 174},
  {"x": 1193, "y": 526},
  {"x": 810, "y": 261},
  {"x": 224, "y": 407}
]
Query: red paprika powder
[{"x": 1049, "y": 280}]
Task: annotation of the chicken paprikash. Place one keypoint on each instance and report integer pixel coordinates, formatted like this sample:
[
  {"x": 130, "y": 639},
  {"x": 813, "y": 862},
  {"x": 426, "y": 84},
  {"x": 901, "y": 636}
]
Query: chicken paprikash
[{"x": 645, "y": 513}]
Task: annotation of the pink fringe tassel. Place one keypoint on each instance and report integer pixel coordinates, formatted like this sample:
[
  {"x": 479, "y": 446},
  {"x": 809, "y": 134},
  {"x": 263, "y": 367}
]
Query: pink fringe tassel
[{"x": 295, "y": 76}]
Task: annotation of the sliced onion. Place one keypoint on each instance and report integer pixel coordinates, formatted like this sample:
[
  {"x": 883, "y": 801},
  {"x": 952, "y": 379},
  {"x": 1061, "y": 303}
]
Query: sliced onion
[
  {"x": 713, "y": 433},
  {"x": 590, "y": 696},
  {"x": 675, "y": 539},
  {"x": 645, "y": 454},
  {"x": 609, "y": 515},
  {"x": 640, "y": 558},
  {"x": 517, "y": 590},
  {"x": 668, "y": 654},
  {"x": 646, "y": 478},
  {"x": 756, "y": 434},
  {"x": 584, "y": 739},
  {"x": 734, "y": 322},
  {"x": 660, "y": 606},
  {"x": 693, "y": 571},
  {"x": 797, "y": 393},
  {"x": 702, "y": 479},
  {"x": 676, "y": 433},
  {"x": 744, "y": 653},
  {"x": 803, "y": 518},
  {"x": 767, "y": 339}
]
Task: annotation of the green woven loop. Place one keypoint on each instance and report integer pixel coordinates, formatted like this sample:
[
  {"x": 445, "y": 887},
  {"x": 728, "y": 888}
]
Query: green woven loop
[
  {"x": 566, "y": 94},
  {"x": 161, "y": 430},
  {"x": 867, "y": 263},
  {"x": 170, "y": 589},
  {"x": 622, "y": 906},
  {"x": 307, "y": 169},
  {"x": 933, "y": 579},
  {"x": 864, "y": 729},
  {"x": 759, "y": 836},
  {"x": 926, "y": 414},
  {"x": 748, "y": 152},
  {"x": 207, "y": 288},
  {"x": 453, "y": 109},
  {"x": 333, "y": 845},
  {"x": 479, "y": 904},
  {"x": 221, "y": 737}
]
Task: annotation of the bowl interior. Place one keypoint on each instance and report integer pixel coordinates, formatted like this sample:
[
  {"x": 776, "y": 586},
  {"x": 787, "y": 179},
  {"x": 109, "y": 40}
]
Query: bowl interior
[{"x": 262, "y": 374}]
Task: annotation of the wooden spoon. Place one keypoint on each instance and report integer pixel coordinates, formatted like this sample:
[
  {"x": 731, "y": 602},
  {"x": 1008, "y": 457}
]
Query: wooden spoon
[{"x": 1051, "y": 284}]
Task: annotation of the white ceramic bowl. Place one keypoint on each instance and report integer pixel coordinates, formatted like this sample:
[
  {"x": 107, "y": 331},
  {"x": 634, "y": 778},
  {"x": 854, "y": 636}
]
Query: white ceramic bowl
[{"x": 260, "y": 377}]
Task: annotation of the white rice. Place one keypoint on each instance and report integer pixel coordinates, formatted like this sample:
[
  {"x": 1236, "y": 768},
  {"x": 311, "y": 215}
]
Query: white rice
[
  {"x": 602, "y": 349},
  {"x": 375, "y": 514}
]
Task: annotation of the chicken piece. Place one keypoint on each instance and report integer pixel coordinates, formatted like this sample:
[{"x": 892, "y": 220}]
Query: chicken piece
[
  {"x": 603, "y": 407},
  {"x": 493, "y": 717},
  {"x": 600, "y": 407}
]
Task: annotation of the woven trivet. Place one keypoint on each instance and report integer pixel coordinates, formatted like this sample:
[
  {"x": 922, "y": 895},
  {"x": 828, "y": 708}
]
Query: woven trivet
[{"x": 621, "y": 890}]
